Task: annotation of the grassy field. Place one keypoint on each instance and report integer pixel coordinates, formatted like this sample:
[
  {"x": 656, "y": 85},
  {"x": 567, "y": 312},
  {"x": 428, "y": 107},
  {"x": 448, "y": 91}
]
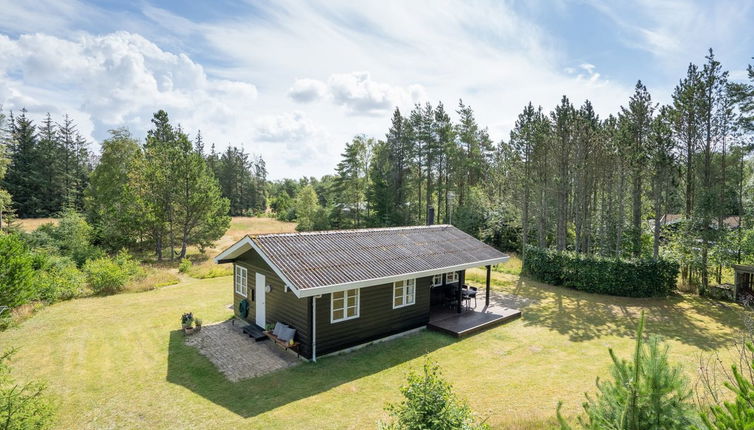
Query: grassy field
[
  {"x": 120, "y": 362},
  {"x": 31, "y": 224}
]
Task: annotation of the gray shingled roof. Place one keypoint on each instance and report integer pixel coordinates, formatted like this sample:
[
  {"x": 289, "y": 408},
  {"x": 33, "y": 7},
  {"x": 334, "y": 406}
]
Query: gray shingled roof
[{"x": 317, "y": 259}]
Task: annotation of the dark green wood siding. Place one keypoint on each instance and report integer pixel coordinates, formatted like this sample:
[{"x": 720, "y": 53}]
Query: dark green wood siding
[
  {"x": 281, "y": 306},
  {"x": 377, "y": 318}
]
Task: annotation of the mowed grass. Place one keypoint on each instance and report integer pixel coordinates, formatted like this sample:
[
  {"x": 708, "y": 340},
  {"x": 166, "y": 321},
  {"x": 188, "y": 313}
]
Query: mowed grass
[{"x": 120, "y": 361}]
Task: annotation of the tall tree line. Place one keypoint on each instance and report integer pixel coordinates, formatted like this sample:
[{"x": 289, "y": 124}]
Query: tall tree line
[
  {"x": 604, "y": 179},
  {"x": 242, "y": 178},
  {"x": 48, "y": 167},
  {"x": 649, "y": 181}
]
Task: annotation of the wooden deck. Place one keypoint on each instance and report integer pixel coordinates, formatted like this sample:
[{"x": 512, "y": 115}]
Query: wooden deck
[{"x": 470, "y": 321}]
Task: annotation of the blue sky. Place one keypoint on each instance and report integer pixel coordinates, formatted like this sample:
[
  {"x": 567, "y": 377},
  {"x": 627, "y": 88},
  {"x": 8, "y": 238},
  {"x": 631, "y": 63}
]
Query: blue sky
[{"x": 293, "y": 81}]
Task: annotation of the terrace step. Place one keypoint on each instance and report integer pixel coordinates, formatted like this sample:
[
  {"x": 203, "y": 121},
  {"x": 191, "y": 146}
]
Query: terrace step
[{"x": 255, "y": 332}]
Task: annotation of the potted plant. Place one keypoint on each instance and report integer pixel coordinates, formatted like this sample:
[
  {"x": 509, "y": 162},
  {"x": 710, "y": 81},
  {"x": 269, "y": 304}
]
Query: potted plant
[
  {"x": 197, "y": 324},
  {"x": 187, "y": 322}
]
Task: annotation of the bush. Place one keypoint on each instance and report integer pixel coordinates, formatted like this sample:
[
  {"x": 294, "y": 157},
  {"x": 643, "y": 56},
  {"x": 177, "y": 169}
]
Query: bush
[
  {"x": 430, "y": 404},
  {"x": 58, "y": 278},
  {"x": 739, "y": 413},
  {"x": 185, "y": 265},
  {"x": 71, "y": 237},
  {"x": 16, "y": 271},
  {"x": 109, "y": 275},
  {"x": 593, "y": 274}
]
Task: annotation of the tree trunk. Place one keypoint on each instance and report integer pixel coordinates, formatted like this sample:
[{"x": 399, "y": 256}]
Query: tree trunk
[
  {"x": 636, "y": 213},
  {"x": 658, "y": 208}
]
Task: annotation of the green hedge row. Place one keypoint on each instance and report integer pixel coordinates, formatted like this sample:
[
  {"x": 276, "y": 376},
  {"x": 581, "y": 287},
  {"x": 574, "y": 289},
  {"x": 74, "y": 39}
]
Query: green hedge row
[{"x": 593, "y": 274}]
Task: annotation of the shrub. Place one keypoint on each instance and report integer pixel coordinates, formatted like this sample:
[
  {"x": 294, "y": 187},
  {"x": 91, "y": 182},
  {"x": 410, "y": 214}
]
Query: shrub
[
  {"x": 71, "y": 237},
  {"x": 185, "y": 265},
  {"x": 430, "y": 404},
  {"x": 109, "y": 275},
  {"x": 738, "y": 414},
  {"x": 16, "y": 271},
  {"x": 22, "y": 406},
  {"x": 645, "y": 393},
  {"x": 58, "y": 278},
  {"x": 594, "y": 274}
]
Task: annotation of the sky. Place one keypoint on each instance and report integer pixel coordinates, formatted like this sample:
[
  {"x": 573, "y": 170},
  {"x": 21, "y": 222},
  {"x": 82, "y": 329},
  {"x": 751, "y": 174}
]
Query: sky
[{"x": 294, "y": 81}]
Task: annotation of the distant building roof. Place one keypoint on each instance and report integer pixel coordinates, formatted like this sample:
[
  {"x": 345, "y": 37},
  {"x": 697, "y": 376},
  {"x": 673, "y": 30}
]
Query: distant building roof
[
  {"x": 732, "y": 222},
  {"x": 320, "y": 262}
]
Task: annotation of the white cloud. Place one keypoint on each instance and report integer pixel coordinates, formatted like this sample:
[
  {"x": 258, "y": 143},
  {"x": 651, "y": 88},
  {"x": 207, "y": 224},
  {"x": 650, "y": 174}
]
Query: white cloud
[
  {"x": 360, "y": 94},
  {"x": 287, "y": 127},
  {"x": 298, "y": 140},
  {"x": 307, "y": 90},
  {"x": 357, "y": 92},
  {"x": 305, "y": 59},
  {"x": 116, "y": 79}
]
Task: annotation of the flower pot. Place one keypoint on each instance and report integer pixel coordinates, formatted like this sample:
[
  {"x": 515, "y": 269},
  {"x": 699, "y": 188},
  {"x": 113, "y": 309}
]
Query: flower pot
[{"x": 188, "y": 330}]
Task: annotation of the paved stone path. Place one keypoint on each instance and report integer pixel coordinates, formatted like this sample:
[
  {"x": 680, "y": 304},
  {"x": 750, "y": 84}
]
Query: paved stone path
[{"x": 236, "y": 355}]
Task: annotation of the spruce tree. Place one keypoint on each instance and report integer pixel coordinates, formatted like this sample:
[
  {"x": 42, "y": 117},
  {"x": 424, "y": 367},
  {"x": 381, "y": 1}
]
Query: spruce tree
[{"x": 24, "y": 177}]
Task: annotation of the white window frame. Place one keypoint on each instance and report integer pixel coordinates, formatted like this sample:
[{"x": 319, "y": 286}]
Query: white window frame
[
  {"x": 437, "y": 280},
  {"x": 451, "y": 277},
  {"x": 241, "y": 281},
  {"x": 345, "y": 307},
  {"x": 401, "y": 290}
]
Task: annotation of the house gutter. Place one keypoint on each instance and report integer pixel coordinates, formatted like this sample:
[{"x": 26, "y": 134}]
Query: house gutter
[{"x": 326, "y": 289}]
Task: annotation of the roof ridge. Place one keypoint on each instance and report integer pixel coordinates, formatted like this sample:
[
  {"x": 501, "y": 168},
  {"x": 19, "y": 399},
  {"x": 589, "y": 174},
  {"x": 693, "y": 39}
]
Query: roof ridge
[{"x": 355, "y": 230}]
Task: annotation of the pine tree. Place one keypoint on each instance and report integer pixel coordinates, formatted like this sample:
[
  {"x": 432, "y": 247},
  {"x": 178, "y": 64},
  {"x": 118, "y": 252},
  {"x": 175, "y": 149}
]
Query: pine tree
[
  {"x": 645, "y": 393},
  {"x": 52, "y": 190},
  {"x": 399, "y": 158},
  {"x": 23, "y": 179},
  {"x": 739, "y": 413},
  {"x": 445, "y": 136},
  {"x": 563, "y": 121},
  {"x": 200, "y": 213},
  {"x": 522, "y": 143},
  {"x": 351, "y": 180},
  {"x": 638, "y": 115},
  {"x": 662, "y": 159}
]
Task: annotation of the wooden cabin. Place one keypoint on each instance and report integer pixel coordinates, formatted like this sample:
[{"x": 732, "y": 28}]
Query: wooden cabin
[{"x": 340, "y": 289}]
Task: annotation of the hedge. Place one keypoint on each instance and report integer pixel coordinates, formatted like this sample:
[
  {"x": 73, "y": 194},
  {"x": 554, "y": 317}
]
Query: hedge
[{"x": 593, "y": 274}]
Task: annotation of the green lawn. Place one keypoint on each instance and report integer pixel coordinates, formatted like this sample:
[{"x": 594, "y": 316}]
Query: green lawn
[{"x": 118, "y": 361}]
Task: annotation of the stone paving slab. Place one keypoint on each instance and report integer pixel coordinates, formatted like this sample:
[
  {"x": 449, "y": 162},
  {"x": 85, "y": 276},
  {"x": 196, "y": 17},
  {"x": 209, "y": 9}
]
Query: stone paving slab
[{"x": 236, "y": 355}]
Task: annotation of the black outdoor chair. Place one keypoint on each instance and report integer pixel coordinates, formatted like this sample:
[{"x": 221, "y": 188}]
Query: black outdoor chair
[{"x": 469, "y": 295}]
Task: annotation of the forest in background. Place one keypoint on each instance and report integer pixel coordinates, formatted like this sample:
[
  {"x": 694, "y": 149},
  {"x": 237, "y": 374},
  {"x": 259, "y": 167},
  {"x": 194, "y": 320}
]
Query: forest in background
[{"x": 564, "y": 179}]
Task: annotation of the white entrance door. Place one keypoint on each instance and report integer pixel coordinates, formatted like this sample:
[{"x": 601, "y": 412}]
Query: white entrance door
[{"x": 259, "y": 286}]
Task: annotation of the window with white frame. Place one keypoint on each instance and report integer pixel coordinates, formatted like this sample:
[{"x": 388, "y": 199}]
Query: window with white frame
[
  {"x": 241, "y": 287},
  {"x": 437, "y": 280},
  {"x": 451, "y": 277},
  {"x": 404, "y": 293},
  {"x": 344, "y": 305}
]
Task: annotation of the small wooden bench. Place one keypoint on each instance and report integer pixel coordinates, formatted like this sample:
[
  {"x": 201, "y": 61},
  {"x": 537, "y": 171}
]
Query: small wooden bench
[{"x": 285, "y": 345}]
